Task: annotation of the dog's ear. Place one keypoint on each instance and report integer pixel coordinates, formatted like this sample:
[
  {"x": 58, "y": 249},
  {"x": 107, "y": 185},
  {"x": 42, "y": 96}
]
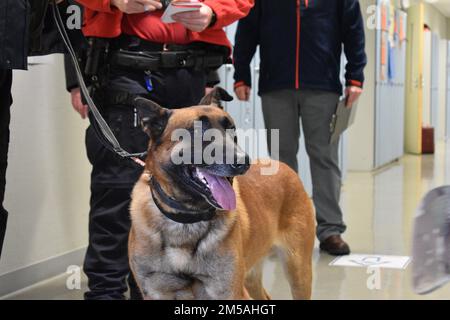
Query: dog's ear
[
  {"x": 153, "y": 117},
  {"x": 215, "y": 97}
]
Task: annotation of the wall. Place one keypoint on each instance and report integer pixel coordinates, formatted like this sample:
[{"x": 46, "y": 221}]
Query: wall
[
  {"x": 448, "y": 28},
  {"x": 435, "y": 20},
  {"x": 414, "y": 76},
  {"x": 438, "y": 24},
  {"x": 47, "y": 181},
  {"x": 426, "y": 107},
  {"x": 442, "y": 89},
  {"x": 361, "y": 135}
]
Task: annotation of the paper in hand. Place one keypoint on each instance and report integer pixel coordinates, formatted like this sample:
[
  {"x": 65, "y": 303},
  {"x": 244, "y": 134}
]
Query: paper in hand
[
  {"x": 179, "y": 7},
  {"x": 342, "y": 119}
]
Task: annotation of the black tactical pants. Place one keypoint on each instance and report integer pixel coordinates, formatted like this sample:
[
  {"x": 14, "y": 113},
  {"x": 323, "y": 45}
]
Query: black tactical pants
[
  {"x": 5, "y": 116},
  {"x": 112, "y": 179}
]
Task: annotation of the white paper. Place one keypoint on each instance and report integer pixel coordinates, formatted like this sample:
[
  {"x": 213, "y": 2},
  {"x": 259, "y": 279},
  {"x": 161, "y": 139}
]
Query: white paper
[
  {"x": 178, "y": 7},
  {"x": 371, "y": 260}
]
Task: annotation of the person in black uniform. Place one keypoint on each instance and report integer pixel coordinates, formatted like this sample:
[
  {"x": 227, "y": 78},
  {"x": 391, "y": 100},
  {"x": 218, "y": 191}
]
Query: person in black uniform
[
  {"x": 173, "y": 83},
  {"x": 25, "y": 29}
]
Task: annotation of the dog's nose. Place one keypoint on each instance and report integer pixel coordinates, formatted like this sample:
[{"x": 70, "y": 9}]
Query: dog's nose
[{"x": 242, "y": 163}]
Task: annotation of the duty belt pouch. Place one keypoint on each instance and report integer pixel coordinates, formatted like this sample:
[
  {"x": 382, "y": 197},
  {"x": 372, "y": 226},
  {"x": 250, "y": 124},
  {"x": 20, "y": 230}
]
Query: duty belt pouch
[
  {"x": 96, "y": 57},
  {"x": 173, "y": 59},
  {"x": 135, "y": 60}
]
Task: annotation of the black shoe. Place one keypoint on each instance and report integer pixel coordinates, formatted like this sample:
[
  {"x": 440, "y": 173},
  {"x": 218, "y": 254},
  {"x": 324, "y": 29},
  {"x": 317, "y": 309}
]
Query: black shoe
[{"x": 335, "y": 246}]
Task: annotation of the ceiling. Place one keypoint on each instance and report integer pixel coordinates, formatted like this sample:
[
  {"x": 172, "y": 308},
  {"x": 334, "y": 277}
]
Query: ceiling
[{"x": 442, "y": 5}]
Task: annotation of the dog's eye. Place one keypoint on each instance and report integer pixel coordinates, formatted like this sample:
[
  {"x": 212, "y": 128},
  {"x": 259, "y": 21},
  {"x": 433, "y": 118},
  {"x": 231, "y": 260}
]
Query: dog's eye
[{"x": 227, "y": 124}]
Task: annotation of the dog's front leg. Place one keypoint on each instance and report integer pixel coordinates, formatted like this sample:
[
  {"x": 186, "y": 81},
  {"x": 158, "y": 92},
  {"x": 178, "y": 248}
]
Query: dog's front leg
[
  {"x": 222, "y": 291},
  {"x": 226, "y": 285},
  {"x": 152, "y": 284},
  {"x": 240, "y": 291}
]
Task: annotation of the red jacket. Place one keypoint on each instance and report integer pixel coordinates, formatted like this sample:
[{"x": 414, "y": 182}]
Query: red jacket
[{"x": 103, "y": 20}]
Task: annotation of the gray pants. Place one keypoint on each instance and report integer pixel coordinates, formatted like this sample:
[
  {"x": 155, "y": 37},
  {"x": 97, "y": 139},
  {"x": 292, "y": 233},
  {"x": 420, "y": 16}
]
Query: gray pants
[{"x": 283, "y": 110}]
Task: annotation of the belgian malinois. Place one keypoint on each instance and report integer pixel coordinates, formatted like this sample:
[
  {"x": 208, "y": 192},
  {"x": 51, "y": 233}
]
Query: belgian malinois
[{"x": 201, "y": 231}]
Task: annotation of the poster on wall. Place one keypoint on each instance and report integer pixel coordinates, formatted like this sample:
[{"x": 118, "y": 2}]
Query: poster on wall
[
  {"x": 384, "y": 30},
  {"x": 383, "y": 55},
  {"x": 402, "y": 25},
  {"x": 384, "y": 13},
  {"x": 391, "y": 63},
  {"x": 392, "y": 34}
]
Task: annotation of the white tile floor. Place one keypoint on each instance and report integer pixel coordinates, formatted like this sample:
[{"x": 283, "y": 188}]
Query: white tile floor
[{"x": 379, "y": 211}]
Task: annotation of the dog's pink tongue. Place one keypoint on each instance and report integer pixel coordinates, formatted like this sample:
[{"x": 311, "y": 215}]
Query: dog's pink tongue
[{"x": 221, "y": 190}]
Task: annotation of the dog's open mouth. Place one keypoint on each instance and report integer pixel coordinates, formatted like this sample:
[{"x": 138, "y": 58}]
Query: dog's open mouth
[{"x": 217, "y": 190}]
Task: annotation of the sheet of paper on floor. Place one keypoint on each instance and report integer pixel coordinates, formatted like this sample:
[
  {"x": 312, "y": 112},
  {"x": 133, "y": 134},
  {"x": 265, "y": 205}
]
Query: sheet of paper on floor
[{"x": 371, "y": 260}]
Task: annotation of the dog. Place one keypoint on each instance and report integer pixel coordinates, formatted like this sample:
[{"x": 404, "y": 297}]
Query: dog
[{"x": 202, "y": 231}]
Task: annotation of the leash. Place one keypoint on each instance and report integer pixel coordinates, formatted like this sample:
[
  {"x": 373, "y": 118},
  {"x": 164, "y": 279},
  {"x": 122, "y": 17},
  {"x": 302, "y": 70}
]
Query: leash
[
  {"x": 183, "y": 215},
  {"x": 101, "y": 128}
]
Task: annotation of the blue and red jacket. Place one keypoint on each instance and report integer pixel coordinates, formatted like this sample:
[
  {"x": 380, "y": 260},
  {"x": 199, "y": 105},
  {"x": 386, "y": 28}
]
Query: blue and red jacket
[{"x": 301, "y": 43}]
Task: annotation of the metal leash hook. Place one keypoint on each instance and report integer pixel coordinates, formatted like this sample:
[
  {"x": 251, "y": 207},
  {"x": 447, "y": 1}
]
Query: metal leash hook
[{"x": 103, "y": 131}]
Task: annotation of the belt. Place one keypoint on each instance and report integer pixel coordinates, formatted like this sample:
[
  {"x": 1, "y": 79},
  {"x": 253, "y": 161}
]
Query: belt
[
  {"x": 134, "y": 43},
  {"x": 138, "y": 54},
  {"x": 153, "y": 61}
]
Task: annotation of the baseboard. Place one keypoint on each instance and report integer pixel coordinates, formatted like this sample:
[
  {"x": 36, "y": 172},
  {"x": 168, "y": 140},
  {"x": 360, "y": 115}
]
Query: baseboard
[{"x": 25, "y": 277}]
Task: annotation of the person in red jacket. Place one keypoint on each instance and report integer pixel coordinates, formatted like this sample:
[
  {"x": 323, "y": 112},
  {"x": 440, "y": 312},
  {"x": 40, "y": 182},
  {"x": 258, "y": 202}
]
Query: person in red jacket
[{"x": 121, "y": 29}]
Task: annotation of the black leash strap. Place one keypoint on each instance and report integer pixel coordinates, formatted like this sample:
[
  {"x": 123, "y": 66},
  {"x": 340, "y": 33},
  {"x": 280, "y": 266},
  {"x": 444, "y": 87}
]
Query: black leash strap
[{"x": 101, "y": 128}]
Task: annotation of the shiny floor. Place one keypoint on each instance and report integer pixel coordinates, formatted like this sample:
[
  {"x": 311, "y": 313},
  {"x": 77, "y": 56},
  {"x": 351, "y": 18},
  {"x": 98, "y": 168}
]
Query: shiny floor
[{"x": 379, "y": 211}]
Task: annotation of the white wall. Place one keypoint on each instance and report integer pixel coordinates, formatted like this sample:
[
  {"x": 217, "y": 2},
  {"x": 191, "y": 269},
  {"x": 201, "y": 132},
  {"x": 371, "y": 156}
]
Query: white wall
[
  {"x": 48, "y": 176},
  {"x": 361, "y": 135},
  {"x": 426, "y": 120},
  {"x": 438, "y": 24},
  {"x": 447, "y": 20},
  {"x": 435, "y": 20},
  {"x": 442, "y": 89}
]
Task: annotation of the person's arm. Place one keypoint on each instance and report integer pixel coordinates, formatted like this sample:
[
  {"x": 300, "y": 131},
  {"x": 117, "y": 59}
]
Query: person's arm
[
  {"x": 214, "y": 14},
  {"x": 228, "y": 11},
  {"x": 73, "y": 87},
  {"x": 80, "y": 45},
  {"x": 246, "y": 42},
  {"x": 354, "y": 48},
  {"x": 126, "y": 6},
  {"x": 70, "y": 73},
  {"x": 98, "y": 5}
]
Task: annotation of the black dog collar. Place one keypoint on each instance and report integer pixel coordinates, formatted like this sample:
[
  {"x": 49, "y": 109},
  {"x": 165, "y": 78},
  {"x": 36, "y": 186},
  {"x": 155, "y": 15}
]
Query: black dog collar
[{"x": 183, "y": 214}]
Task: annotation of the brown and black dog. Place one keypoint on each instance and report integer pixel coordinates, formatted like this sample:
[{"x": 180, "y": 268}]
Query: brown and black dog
[{"x": 202, "y": 231}]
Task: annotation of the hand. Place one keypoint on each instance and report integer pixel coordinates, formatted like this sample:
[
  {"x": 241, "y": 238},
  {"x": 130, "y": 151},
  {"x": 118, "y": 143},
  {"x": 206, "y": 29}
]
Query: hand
[
  {"x": 352, "y": 94},
  {"x": 243, "y": 92},
  {"x": 77, "y": 104},
  {"x": 196, "y": 21},
  {"x": 136, "y": 6}
]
